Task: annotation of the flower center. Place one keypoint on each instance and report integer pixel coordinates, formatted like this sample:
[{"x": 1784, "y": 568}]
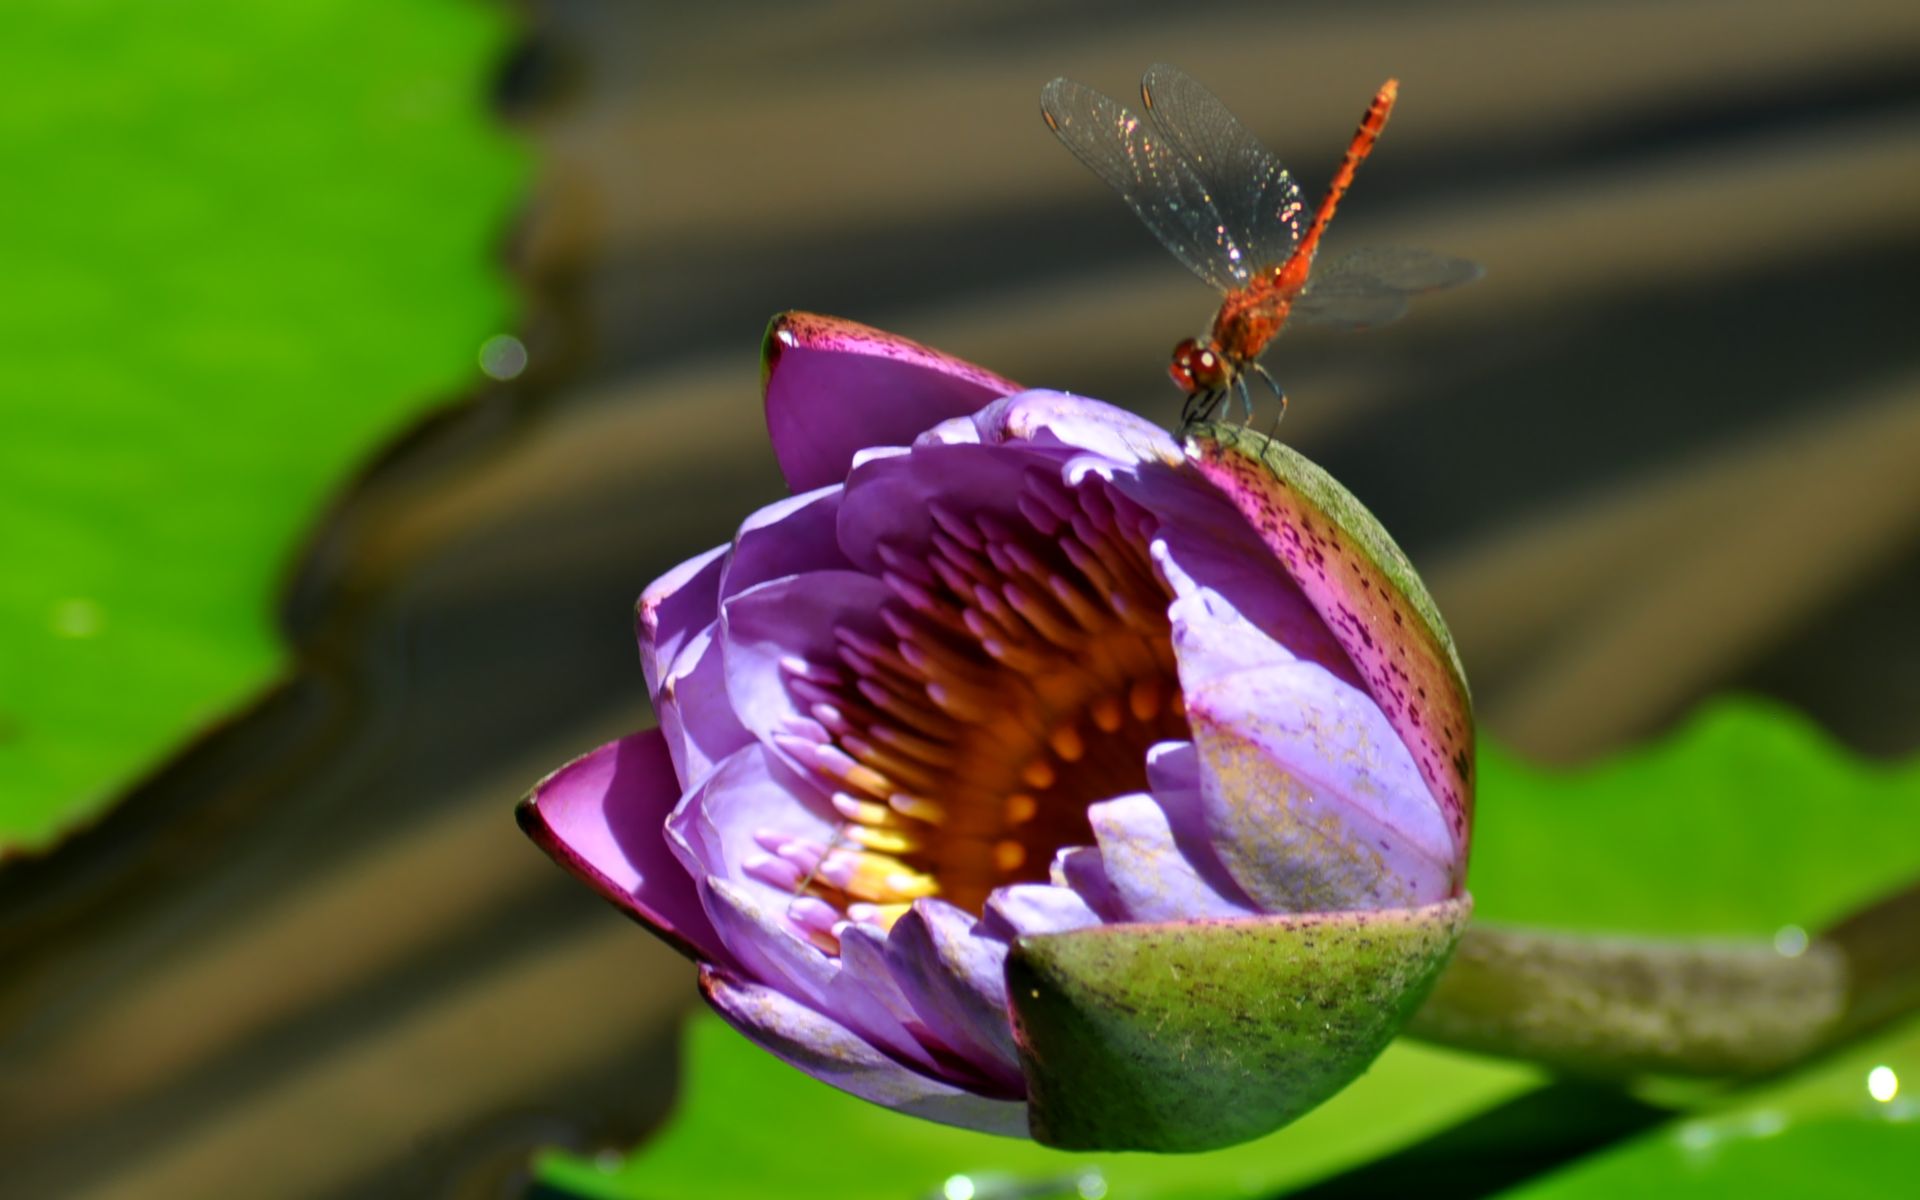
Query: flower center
[{"x": 1027, "y": 667}]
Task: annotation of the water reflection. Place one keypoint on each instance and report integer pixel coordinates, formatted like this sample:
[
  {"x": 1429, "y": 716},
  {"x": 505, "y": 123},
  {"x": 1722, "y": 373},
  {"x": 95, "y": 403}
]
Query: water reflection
[
  {"x": 1088, "y": 1184},
  {"x": 1882, "y": 1084},
  {"x": 1701, "y": 1139},
  {"x": 503, "y": 356}
]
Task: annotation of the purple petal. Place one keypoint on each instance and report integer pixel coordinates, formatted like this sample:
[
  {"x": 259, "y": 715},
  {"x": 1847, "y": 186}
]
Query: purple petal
[
  {"x": 1148, "y": 870},
  {"x": 763, "y": 941},
  {"x": 695, "y": 714},
  {"x": 830, "y": 1052},
  {"x": 954, "y": 976},
  {"x": 1030, "y": 909},
  {"x": 889, "y": 500},
  {"x": 1211, "y": 638},
  {"x": 833, "y": 387},
  {"x": 751, "y": 803},
  {"x": 1234, "y": 607},
  {"x": 786, "y": 538},
  {"x": 1059, "y": 419},
  {"x": 1079, "y": 870},
  {"x": 602, "y": 816},
  {"x": 675, "y": 607},
  {"x": 1312, "y": 801},
  {"x": 1174, "y": 778},
  {"x": 788, "y": 620},
  {"x": 1173, "y": 767},
  {"x": 749, "y": 809},
  {"x": 867, "y": 998},
  {"x": 954, "y": 431}
]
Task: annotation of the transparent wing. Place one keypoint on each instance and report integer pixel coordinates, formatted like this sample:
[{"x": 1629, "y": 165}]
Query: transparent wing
[
  {"x": 1151, "y": 175},
  {"x": 1258, "y": 204},
  {"x": 1371, "y": 286}
]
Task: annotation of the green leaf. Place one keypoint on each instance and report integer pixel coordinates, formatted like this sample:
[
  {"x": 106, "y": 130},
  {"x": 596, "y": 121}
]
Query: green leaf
[
  {"x": 750, "y": 1127},
  {"x": 1745, "y": 820},
  {"x": 243, "y": 246},
  {"x": 1823, "y": 1133}
]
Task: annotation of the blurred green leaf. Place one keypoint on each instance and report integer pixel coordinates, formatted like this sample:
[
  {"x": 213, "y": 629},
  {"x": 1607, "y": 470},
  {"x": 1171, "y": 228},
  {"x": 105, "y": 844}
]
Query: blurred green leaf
[
  {"x": 244, "y": 244},
  {"x": 1823, "y": 1133},
  {"x": 749, "y": 1126},
  {"x": 1745, "y": 820}
]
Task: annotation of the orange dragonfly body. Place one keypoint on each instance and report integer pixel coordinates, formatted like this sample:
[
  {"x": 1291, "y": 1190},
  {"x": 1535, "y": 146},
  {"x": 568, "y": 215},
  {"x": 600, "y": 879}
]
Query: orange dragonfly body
[{"x": 1227, "y": 209}]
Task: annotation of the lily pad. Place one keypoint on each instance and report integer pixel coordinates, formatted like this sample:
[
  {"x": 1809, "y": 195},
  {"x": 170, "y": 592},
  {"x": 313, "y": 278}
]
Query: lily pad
[
  {"x": 242, "y": 249},
  {"x": 1848, "y": 1128},
  {"x": 1746, "y": 820},
  {"x": 750, "y": 1127}
]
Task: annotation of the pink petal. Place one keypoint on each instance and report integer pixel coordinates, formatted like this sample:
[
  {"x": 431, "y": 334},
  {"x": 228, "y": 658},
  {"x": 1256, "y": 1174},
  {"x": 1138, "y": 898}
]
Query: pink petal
[
  {"x": 603, "y": 817},
  {"x": 834, "y": 386}
]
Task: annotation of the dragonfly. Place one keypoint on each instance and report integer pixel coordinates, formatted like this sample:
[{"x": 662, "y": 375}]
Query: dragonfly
[{"x": 1225, "y": 207}]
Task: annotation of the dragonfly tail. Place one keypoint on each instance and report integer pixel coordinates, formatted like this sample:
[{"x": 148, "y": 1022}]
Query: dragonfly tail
[{"x": 1357, "y": 150}]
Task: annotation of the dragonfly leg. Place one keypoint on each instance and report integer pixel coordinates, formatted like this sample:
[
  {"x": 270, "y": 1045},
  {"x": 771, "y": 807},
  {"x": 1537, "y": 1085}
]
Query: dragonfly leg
[
  {"x": 1278, "y": 393},
  {"x": 1198, "y": 407},
  {"x": 1246, "y": 399}
]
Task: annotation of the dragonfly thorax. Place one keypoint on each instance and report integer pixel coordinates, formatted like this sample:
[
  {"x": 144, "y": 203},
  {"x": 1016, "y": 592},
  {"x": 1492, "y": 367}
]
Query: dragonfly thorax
[{"x": 1200, "y": 367}]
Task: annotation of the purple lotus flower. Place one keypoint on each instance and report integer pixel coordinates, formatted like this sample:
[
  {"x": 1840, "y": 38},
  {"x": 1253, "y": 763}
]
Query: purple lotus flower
[{"x": 1028, "y": 771}]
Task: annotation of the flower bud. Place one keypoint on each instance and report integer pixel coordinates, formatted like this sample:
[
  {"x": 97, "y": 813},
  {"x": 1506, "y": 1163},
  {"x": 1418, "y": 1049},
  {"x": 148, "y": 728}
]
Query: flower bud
[{"x": 1029, "y": 771}]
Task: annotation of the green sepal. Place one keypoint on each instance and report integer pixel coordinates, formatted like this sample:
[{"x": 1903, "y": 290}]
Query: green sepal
[{"x": 1201, "y": 1034}]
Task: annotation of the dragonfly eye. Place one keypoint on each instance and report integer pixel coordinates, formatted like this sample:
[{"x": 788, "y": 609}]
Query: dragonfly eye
[{"x": 1198, "y": 368}]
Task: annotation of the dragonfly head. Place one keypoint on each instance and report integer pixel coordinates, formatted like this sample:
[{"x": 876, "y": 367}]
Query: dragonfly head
[{"x": 1199, "y": 367}]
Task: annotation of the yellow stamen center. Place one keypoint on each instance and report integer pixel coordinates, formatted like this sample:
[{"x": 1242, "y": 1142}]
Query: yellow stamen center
[{"x": 1025, "y": 672}]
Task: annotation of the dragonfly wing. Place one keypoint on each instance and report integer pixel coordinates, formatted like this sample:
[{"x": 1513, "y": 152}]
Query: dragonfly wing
[
  {"x": 1330, "y": 308},
  {"x": 1400, "y": 268},
  {"x": 1371, "y": 286},
  {"x": 1258, "y": 203},
  {"x": 1161, "y": 188}
]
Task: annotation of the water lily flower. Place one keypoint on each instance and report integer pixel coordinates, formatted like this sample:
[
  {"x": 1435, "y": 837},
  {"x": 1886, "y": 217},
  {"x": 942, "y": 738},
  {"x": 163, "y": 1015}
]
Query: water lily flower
[{"x": 1031, "y": 771}]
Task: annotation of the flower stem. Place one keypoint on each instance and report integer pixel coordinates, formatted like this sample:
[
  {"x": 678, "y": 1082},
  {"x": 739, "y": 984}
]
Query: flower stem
[{"x": 1617, "y": 1007}]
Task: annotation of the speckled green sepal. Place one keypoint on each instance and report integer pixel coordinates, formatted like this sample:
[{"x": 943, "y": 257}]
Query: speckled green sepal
[
  {"x": 1197, "y": 1035},
  {"x": 1366, "y": 591}
]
